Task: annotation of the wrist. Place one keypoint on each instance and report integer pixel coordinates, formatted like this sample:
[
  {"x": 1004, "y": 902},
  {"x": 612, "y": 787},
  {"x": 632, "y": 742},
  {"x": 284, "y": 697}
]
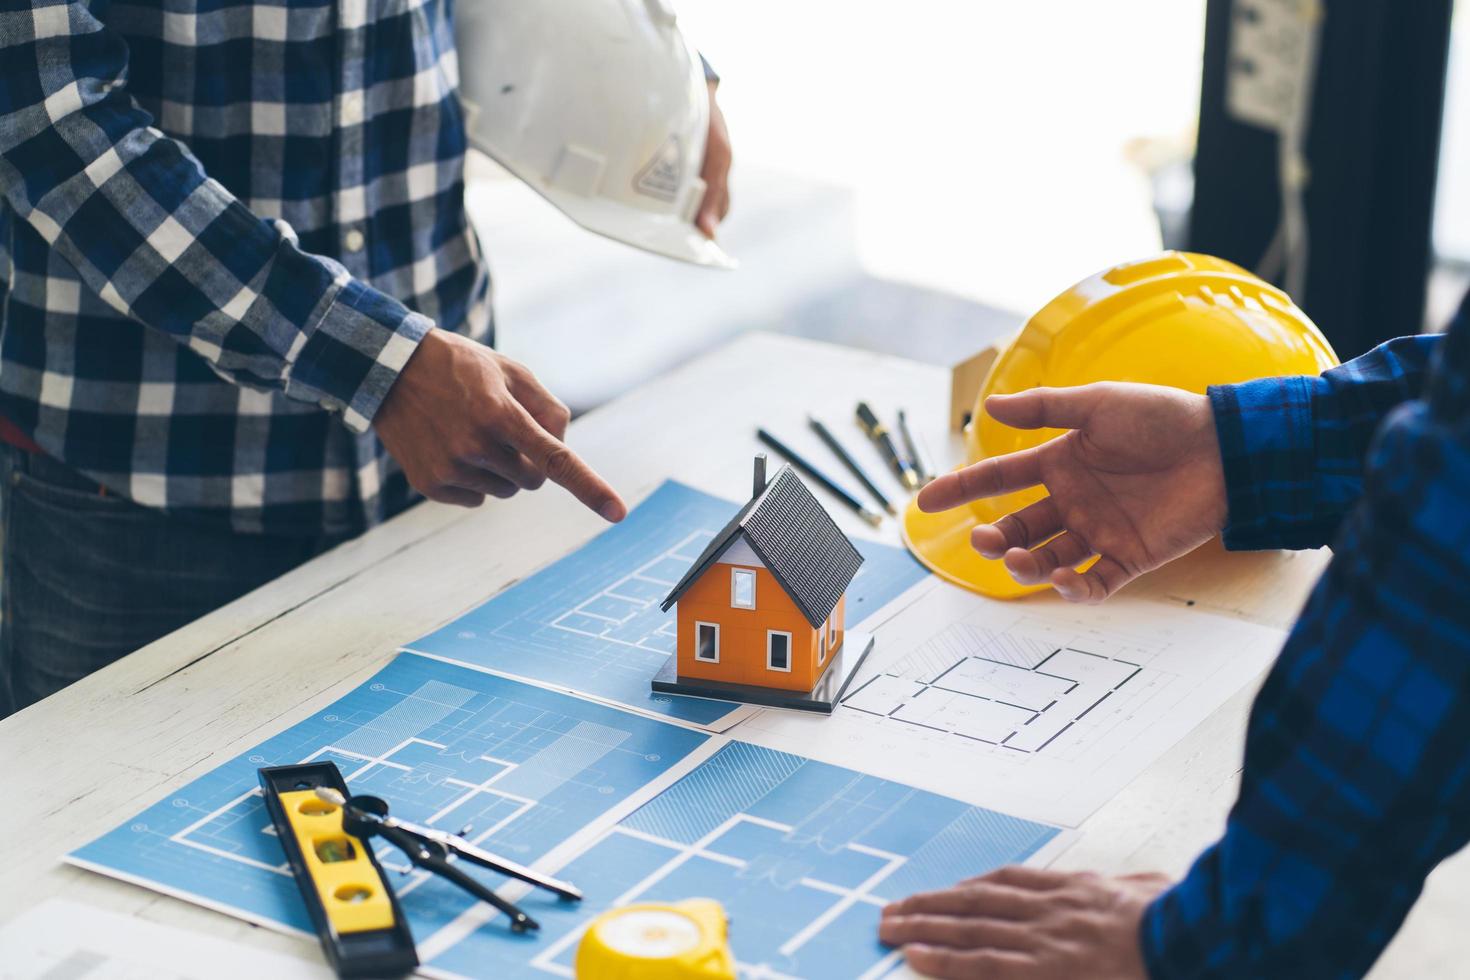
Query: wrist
[
  {"x": 1216, "y": 507},
  {"x": 404, "y": 392}
]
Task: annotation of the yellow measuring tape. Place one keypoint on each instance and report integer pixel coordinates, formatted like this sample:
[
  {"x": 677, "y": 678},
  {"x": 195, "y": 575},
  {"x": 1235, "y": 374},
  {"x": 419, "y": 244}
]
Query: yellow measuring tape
[{"x": 686, "y": 940}]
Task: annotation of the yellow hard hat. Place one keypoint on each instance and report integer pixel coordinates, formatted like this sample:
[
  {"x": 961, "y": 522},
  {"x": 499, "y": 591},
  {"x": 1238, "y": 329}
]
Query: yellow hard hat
[{"x": 1178, "y": 319}]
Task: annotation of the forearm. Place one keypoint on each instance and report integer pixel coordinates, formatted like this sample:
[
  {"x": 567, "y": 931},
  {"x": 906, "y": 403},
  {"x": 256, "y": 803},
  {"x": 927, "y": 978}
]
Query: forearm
[
  {"x": 1356, "y": 782},
  {"x": 1294, "y": 448},
  {"x": 149, "y": 232}
]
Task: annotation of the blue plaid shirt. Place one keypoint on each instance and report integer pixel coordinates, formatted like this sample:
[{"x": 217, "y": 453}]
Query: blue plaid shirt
[
  {"x": 224, "y": 228},
  {"x": 1357, "y": 762}
]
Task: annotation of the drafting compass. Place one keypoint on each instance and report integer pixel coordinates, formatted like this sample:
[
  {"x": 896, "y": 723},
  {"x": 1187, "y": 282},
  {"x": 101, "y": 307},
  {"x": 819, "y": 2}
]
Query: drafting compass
[{"x": 435, "y": 850}]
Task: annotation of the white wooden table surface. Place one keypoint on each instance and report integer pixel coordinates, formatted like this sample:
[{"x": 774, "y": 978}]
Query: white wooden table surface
[{"x": 80, "y": 762}]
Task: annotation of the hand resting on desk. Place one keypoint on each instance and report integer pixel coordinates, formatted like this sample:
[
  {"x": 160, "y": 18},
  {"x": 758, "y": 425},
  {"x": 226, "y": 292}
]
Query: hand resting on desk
[{"x": 1026, "y": 923}]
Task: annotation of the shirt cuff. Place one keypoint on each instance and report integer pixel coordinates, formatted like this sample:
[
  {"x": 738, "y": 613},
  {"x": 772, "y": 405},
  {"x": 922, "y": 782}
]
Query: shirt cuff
[
  {"x": 1169, "y": 948},
  {"x": 1188, "y": 930},
  {"x": 355, "y": 353},
  {"x": 1150, "y": 941},
  {"x": 1268, "y": 449}
]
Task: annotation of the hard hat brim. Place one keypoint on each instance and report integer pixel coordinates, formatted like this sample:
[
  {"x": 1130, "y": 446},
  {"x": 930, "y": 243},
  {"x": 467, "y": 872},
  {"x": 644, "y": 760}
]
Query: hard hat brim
[
  {"x": 942, "y": 542},
  {"x": 667, "y": 236},
  {"x": 663, "y": 235}
]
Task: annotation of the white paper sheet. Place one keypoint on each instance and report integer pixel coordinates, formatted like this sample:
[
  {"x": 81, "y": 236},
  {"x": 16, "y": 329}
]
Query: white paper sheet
[
  {"x": 65, "y": 940},
  {"x": 1037, "y": 708}
]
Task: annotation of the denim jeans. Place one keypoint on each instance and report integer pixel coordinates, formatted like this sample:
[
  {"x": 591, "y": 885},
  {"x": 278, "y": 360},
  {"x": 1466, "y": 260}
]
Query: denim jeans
[{"x": 90, "y": 576}]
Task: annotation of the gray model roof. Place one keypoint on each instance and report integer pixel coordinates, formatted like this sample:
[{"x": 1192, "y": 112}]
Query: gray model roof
[{"x": 798, "y": 541}]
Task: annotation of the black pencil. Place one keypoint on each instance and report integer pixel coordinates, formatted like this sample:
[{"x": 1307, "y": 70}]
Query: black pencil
[
  {"x": 847, "y": 460},
  {"x": 917, "y": 456},
  {"x": 878, "y": 432},
  {"x": 852, "y": 503}
]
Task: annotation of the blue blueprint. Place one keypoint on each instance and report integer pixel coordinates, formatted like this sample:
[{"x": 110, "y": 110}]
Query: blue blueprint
[
  {"x": 591, "y": 621},
  {"x": 448, "y": 746},
  {"x": 803, "y": 855}
]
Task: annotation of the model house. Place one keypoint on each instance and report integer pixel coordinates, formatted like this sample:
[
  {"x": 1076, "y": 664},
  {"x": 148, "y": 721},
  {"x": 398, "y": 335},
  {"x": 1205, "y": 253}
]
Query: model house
[{"x": 763, "y": 605}]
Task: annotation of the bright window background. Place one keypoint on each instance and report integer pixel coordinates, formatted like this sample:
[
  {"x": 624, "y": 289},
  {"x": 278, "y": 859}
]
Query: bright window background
[
  {"x": 1452, "y": 197},
  {"x": 987, "y": 143},
  {"x": 1452, "y": 202}
]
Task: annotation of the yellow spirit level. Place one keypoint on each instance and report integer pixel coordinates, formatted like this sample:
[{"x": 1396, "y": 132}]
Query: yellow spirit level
[{"x": 356, "y": 914}]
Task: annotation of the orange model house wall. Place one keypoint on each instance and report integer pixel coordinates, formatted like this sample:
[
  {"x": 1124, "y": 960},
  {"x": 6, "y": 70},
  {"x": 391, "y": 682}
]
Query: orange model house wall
[{"x": 743, "y": 632}]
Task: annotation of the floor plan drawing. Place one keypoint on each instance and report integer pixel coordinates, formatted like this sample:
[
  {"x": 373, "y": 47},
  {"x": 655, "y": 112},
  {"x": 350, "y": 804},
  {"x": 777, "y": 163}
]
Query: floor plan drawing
[
  {"x": 591, "y": 622},
  {"x": 803, "y": 856},
  {"x": 516, "y": 768},
  {"x": 627, "y": 612},
  {"x": 969, "y": 682},
  {"x": 1035, "y": 708}
]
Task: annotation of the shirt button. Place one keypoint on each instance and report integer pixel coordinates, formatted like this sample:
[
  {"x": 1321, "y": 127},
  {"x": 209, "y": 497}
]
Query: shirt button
[
  {"x": 354, "y": 240},
  {"x": 351, "y": 109}
]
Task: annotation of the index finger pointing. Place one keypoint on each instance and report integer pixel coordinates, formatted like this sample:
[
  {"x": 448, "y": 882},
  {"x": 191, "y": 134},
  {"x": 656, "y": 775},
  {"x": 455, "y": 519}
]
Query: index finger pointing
[
  {"x": 987, "y": 478},
  {"x": 562, "y": 466},
  {"x": 1056, "y": 408}
]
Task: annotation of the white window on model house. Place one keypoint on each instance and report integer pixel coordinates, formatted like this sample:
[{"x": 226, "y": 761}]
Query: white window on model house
[
  {"x": 821, "y": 649},
  {"x": 742, "y": 588},
  {"x": 832, "y": 632},
  {"x": 707, "y": 642},
  {"x": 778, "y": 651}
]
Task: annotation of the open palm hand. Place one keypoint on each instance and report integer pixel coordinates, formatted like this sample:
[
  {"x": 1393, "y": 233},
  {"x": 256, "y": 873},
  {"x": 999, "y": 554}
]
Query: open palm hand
[{"x": 1137, "y": 482}]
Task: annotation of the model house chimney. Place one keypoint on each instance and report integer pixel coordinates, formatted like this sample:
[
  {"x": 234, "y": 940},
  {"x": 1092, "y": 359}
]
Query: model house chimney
[{"x": 759, "y": 482}]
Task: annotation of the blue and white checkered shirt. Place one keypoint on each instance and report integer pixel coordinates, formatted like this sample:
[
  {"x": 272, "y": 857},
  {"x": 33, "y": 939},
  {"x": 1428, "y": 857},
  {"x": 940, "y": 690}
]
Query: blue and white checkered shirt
[
  {"x": 225, "y": 225},
  {"x": 1356, "y": 780}
]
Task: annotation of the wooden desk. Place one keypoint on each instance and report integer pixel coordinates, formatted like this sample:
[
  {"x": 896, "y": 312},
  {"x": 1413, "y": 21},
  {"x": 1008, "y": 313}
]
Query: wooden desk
[{"x": 80, "y": 762}]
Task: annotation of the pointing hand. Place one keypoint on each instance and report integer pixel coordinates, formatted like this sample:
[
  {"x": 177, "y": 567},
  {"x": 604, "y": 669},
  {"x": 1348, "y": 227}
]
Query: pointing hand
[
  {"x": 465, "y": 422},
  {"x": 1137, "y": 482}
]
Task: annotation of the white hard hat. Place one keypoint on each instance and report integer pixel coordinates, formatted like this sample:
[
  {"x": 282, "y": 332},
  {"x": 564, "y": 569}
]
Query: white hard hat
[{"x": 601, "y": 106}]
